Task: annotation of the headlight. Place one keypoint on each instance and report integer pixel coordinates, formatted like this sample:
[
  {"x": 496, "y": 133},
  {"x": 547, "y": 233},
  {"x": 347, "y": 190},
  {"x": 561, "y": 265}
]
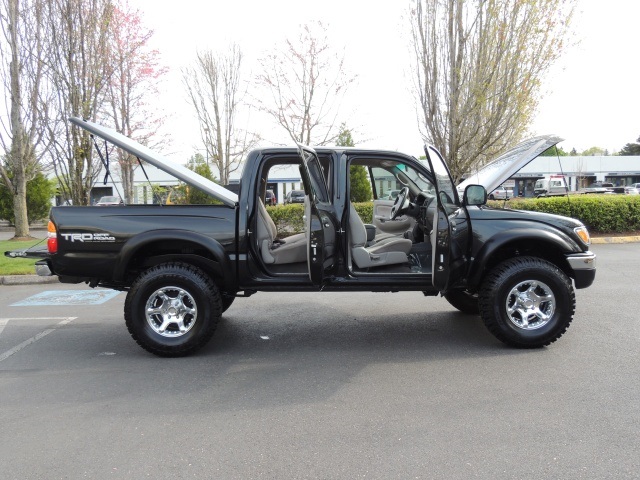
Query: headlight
[{"x": 583, "y": 233}]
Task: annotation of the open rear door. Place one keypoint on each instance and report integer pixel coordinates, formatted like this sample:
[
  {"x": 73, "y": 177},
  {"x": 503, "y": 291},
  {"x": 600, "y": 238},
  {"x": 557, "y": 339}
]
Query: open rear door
[
  {"x": 449, "y": 236},
  {"x": 320, "y": 221}
]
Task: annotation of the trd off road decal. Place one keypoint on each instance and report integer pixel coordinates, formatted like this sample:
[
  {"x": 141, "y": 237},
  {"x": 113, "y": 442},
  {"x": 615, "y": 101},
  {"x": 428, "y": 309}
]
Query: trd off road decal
[{"x": 88, "y": 237}]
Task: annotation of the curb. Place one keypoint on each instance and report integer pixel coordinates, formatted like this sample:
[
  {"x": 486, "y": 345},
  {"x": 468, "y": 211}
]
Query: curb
[
  {"x": 27, "y": 279},
  {"x": 603, "y": 240}
]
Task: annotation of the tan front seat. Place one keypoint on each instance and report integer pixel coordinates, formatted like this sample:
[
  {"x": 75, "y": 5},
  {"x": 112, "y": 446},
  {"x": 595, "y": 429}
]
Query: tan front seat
[
  {"x": 288, "y": 250},
  {"x": 388, "y": 251}
]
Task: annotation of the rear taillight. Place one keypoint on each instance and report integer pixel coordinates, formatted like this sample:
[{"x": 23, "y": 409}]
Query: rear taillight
[{"x": 52, "y": 238}]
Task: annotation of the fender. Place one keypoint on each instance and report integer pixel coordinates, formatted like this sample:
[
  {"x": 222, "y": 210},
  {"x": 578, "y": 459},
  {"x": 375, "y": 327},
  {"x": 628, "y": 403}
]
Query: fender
[
  {"x": 134, "y": 244},
  {"x": 517, "y": 235}
]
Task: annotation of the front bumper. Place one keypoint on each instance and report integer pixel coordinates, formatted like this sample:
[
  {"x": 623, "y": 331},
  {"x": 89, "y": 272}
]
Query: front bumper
[{"x": 584, "y": 268}]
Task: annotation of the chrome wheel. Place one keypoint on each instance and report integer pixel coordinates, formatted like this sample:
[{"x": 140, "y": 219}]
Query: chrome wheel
[
  {"x": 171, "y": 311},
  {"x": 527, "y": 302},
  {"x": 530, "y": 305}
]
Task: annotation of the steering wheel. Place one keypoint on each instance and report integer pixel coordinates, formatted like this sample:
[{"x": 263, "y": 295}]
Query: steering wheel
[{"x": 401, "y": 203}]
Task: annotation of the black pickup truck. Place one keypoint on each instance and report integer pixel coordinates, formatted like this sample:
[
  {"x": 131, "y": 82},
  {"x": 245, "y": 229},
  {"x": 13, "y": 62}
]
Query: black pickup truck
[{"x": 182, "y": 266}]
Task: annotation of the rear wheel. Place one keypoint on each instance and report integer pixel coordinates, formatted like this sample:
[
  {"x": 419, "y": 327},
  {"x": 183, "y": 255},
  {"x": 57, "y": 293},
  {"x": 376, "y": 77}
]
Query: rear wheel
[
  {"x": 172, "y": 309},
  {"x": 527, "y": 302}
]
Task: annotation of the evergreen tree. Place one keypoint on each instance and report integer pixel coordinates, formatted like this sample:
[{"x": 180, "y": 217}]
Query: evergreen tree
[
  {"x": 594, "y": 151},
  {"x": 195, "y": 196},
  {"x": 360, "y": 188},
  {"x": 554, "y": 151},
  {"x": 345, "y": 139},
  {"x": 40, "y": 191},
  {"x": 631, "y": 148}
]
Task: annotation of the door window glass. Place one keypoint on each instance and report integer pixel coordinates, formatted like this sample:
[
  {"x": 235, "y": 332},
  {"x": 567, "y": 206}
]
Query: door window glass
[
  {"x": 316, "y": 175},
  {"x": 446, "y": 189}
]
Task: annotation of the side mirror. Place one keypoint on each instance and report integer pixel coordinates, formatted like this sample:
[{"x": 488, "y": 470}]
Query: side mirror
[{"x": 475, "y": 195}]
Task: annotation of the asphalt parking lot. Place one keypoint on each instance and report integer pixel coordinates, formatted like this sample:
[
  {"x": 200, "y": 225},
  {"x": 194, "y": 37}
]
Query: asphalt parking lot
[{"x": 330, "y": 385}]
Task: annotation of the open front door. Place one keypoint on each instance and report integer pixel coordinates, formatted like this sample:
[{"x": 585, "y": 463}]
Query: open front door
[
  {"x": 449, "y": 236},
  {"x": 320, "y": 221}
]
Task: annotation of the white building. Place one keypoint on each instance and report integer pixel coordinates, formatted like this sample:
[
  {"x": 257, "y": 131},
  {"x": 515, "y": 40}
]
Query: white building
[{"x": 580, "y": 172}]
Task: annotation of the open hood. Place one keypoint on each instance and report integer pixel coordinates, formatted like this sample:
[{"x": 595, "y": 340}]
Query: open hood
[
  {"x": 496, "y": 172},
  {"x": 143, "y": 153}
]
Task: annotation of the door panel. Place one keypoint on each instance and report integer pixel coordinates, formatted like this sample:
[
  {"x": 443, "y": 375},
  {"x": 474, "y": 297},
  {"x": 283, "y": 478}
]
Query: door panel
[
  {"x": 382, "y": 222},
  {"x": 320, "y": 221},
  {"x": 450, "y": 234},
  {"x": 315, "y": 245},
  {"x": 441, "y": 244}
]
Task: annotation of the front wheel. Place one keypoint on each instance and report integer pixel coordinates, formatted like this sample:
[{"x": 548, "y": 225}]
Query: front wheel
[
  {"x": 172, "y": 309},
  {"x": 527, "y": 302},
  {"x": 227, "y": 300},
  {"x": 463, "y": 300}
]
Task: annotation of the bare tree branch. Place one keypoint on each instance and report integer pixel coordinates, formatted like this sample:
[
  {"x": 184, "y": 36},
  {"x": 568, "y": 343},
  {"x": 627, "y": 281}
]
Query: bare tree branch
[
  {"x": 213, "y": 85},
  {"x": 136, "y": 73},
  {"x": 478, "y": 68},
  {"x": 306, "y": 82},
  {"x": 22, "y": 58},
  {"x": 79, "y": 71}
]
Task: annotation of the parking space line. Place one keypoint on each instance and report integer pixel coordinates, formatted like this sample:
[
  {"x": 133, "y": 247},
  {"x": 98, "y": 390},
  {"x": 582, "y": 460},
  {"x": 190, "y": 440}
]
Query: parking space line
[
  {"x": 35, "y": 338},
  {"x": 66, "y": 298}
]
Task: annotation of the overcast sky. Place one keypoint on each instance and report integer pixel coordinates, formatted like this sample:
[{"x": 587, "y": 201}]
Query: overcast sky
[{"x": 591, "y": 95}]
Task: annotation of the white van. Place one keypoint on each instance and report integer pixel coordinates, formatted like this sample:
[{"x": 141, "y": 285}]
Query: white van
[{"x": 551, "y": 185}]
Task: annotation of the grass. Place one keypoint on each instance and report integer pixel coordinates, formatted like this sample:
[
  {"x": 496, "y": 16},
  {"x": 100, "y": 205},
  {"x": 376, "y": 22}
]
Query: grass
[{"x": 17, "y": 266}]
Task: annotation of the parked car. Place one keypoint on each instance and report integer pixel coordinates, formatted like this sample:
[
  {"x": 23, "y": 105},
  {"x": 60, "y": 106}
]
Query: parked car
[
  {"x": 270, "y": 198},
  {"x": 109, "y": 201},
  {"x": 294, "y": 196},
  {"x": 636, "y": 186},
  {"x": 599, "y": 187},
  {"x": 501, "y": 193},
  {"x": 391, "y": 195}
]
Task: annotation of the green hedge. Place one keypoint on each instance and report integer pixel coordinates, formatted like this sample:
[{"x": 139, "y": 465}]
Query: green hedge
[
  {"x": 600, "y": 213},
  {"x": 365, "y": 211},
  {"x": 288, "y": 218}
]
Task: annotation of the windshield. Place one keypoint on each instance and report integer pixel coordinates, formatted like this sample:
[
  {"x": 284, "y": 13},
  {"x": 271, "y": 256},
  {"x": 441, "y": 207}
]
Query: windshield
[{"x": 393, "y": 176}]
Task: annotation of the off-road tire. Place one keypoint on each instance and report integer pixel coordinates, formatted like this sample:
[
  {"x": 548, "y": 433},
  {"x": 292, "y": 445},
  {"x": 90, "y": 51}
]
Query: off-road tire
[
  {"x": 463, "y": 301},
  {"x": 514, "y": 281},
  {"x": 197, "y": 293},
  {"x": 226, "y": 300}
]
